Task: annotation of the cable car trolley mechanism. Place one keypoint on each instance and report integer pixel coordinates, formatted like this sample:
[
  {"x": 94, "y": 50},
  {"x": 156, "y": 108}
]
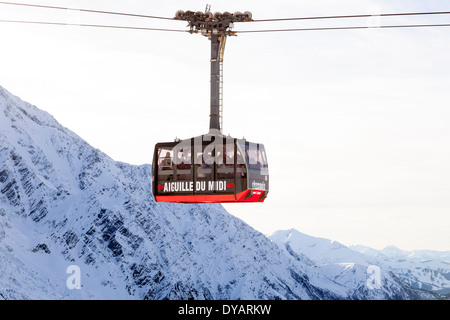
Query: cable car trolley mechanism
[{"x": 211, "y": 168}]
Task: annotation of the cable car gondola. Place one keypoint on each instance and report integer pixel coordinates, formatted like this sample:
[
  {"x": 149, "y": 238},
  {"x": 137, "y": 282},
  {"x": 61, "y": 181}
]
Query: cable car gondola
[{"x": 211, "y": 168}]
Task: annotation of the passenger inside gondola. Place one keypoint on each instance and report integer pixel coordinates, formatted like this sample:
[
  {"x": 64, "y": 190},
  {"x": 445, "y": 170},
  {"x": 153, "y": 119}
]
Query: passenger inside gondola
[{"x": 166, "y": 162}]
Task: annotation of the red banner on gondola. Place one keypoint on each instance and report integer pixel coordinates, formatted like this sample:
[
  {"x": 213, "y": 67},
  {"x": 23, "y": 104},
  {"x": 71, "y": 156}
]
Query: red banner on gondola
[{"x": 190, "y": 186}]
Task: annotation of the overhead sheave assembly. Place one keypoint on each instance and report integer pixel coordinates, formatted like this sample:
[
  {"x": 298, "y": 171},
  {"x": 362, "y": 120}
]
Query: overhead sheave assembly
[{"x": 211, "y": 168}]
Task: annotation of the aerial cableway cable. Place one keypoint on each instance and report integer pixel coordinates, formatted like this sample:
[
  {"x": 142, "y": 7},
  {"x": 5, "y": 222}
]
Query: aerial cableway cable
[
  {"x": 346, "y": 28},
  {"x": 255, "y": 20},
  {"x": 91, "y": 25},
  {"x": 353, "y": 16},
  {"x": 235, "y": 32},
  {"x": 85, "y": 10}
]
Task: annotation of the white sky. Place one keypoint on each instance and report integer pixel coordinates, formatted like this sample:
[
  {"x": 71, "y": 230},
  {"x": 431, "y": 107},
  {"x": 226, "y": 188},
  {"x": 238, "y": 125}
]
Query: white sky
[{"x": 355, "y": 123}]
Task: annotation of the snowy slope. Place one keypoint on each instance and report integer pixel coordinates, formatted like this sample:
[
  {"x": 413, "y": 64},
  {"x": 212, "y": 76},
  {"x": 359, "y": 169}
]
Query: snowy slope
[
  {"x": 63, "y": 203},
  {"x": 342, "y": 270}
]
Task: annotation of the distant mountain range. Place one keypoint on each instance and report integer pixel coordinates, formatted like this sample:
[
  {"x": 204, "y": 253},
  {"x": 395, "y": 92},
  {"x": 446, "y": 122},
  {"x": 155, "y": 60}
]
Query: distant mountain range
[
  {"x": 421, "y": 269},
  {"x": 75, "y": 224}
]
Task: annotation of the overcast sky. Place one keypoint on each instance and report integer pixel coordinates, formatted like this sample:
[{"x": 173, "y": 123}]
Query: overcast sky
[{"x": 355, "y": 123}]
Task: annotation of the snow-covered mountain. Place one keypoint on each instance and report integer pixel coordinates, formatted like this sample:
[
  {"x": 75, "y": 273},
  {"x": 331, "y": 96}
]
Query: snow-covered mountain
[
  {"x": 424, "y": 269},
  {"x": 64, "y": 203},
  {"x": 350, "y": 271}
]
